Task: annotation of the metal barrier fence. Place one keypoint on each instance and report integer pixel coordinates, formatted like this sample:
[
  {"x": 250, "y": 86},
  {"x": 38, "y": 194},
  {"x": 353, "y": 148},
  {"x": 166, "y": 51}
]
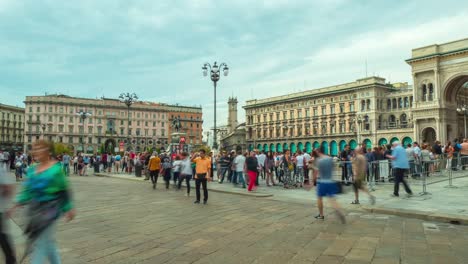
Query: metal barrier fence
[{"x": 421, "y": 172}]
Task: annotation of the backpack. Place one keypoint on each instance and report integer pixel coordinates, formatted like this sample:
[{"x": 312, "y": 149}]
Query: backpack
[{"x": 457, "y": 147}]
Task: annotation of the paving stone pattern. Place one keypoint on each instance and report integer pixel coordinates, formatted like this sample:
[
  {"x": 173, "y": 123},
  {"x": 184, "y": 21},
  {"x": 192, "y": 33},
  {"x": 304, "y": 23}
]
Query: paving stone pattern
[{"x": 129, "y": 222}]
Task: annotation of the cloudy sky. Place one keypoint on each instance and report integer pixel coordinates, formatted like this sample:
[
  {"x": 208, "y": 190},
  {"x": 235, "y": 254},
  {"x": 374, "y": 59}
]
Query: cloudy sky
[{"x": 156, "y": 48}]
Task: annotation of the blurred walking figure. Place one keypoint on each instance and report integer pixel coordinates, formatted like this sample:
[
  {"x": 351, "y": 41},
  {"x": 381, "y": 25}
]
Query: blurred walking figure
[
  {"x": 6, "y": 192},
  {"x": 325, "y": 185},
  {"x": 252, "y": 170},
  {"x": 400, "y": 165},
  {"x": 185, "y": 171},
  {"x": 360, "y": 172},
  {"x": 47, "y": 194},
  {"x": 449, "y": 151},
  {"x": 166, "y": 169},
  {"x": 154, "y": 166}
]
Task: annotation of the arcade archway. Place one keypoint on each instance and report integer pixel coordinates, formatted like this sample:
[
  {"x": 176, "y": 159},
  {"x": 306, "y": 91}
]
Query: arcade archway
[{"x": 428, "y": 135}]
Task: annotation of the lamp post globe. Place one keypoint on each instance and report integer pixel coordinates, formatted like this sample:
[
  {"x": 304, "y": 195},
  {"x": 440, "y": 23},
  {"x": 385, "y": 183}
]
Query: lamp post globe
[{"x": 128, "y": 99}]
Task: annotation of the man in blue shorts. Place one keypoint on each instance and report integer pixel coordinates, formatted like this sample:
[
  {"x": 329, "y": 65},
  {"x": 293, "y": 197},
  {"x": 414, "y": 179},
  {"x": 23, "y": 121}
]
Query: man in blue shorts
[{"x": 325, "y": 184}]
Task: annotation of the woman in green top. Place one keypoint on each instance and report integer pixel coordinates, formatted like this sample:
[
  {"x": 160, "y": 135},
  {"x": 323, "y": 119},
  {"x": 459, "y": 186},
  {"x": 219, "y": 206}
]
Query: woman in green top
[{"x": 46, "y": 192}]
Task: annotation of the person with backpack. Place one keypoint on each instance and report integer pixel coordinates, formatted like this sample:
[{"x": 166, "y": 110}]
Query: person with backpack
[{"x": 456, "y": 153}]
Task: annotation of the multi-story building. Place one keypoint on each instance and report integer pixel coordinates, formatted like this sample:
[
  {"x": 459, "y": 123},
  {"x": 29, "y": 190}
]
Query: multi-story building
[
  {"x": 111, "y": 125},
  {"x": 333, "y": 116},
  {"x": 191, "y": 121},
  {"x": 370, "y": 110},
  {"x": 11, "y": 127}
]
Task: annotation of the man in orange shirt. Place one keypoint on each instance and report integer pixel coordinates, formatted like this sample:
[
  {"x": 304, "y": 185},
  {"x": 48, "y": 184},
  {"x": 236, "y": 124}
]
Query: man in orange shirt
[
  {"x": 154, "y": 166},
  {"x": 202, "y": 175}
]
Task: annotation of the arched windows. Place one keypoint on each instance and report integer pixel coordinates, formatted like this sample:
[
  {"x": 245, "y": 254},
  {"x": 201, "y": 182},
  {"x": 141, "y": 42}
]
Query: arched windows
[{"x": 427, "y": 91}]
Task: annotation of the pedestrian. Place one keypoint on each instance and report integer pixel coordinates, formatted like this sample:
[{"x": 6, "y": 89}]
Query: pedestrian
[
  {"x": 400, "y": 165},
  {"x": 185, "y": 171},
  {"x": 464, "y": 154},
  {"x": 426, "y": 160},
  {"x": 307, "y": 158},
  {"x": 18, "y": 166},
  {"x": 239, "y": 163},
  {"x": 66, "y": 163},
  {"x": 6, "y": 192},
  {"x": 270, "y": 166},
  {"x": 288, "y": 169},
  {"x": 176, "y": 170},
  {"x": 166, "y": 169},
  {"x": 344, "y": 157},
  {"x": 326, "y": 187},
  {"x": 202, "y": 176},
  {"x": 448, "y": 150},
  {"x": 117, "y": 162},
  {"x": 154, "y": 167},
  {"x": 360, "y": 172},
  {"x": 252, "y": 170},
  {"x": 261, "y": 162},
  {"x": 300, "y": 163},
  {"x": 224, "y": 164},
  {"x": 125, "y": 163},
  {"x": 47, "y": 194}
]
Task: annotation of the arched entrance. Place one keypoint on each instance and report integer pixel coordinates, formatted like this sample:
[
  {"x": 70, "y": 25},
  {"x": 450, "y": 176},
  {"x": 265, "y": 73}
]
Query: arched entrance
[
  {"x": 251, "y": 147},
  {"x": 383, "y": 141},
  {"x": 428, "y": 135},
  {"x": 265, "y": 147},
  {"x": 352, "y": 144},
  {"x": 110, "y": 145},
  {"x": 406, "y": 141},
  {"x": 342, "y": 145},
  {"x": 316, "y": 145},
  {"x": 300, "y": 146},
  {"x": 293, "y": 148},
  {"x": 279, "y": 148},
  {"x": 285, "y": 147},
  {"x": 368, "y": 143},
  {"x": 325, "y": 147},
  {"x": 456, "y": 99},
  {"x": 333, "y": 148},
  {"x": 393, "y": 140},
  {"x": 308, "y": 147},
  {"x": 259, "y": 147},
  {"x": 272, "y": 147}
]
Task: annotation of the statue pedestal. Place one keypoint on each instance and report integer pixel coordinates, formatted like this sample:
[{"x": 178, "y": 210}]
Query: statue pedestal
[{"x": 175, "y": 137}]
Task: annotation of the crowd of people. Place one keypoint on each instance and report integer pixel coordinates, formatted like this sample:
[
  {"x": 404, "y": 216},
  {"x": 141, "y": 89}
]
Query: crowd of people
[{"x": 46, "y": 189}]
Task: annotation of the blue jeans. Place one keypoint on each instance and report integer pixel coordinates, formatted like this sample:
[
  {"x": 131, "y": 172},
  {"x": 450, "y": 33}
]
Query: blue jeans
[
  {"x": 45, "y": 248},
  {"x": 66, "y": 169},
  {"x": 239, "y": 175}
]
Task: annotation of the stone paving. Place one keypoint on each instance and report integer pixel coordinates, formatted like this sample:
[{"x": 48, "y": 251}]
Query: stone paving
[
  {"x": 128, "y": 222},
  {"x": 442, "y": 203}
]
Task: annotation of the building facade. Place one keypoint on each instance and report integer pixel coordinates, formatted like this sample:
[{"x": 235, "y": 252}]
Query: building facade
[
  {"x": 234, "y": 136},
  {"x": 191, "y": 122},
  {"x": 11, "y": 127},
  {"x": 111, "y": 125},
  {"x": 367, "y": 110},
  {"x": 370, "y": 110}
]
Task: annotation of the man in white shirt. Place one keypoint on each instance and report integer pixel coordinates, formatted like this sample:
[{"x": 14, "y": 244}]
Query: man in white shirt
[
  {"x": 6, "y": 192},
  {"x": 299, "y": 168},
  {"x": 261, "y": 162},
  {"x": 239, "y": 163}
]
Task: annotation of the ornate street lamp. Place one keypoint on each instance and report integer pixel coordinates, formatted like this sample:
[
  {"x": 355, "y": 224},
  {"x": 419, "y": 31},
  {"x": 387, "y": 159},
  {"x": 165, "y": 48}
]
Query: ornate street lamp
[
  {"x": 128, "y": 99},
  {"x": 215, "y": 75},
  {"x": 83, "y": 115},
  {"x": 463, "y": 109}
]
